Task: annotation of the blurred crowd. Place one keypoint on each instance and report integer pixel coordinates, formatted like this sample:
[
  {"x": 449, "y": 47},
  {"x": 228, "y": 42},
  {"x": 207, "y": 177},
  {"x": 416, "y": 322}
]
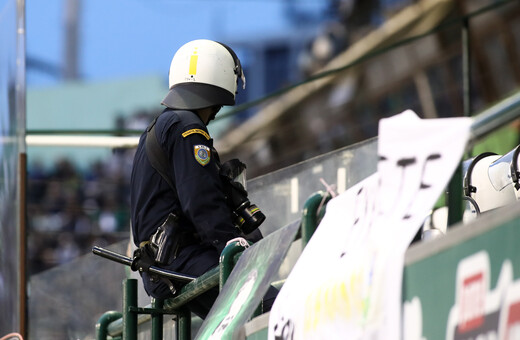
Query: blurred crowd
[{"x": 69, "y": 209}]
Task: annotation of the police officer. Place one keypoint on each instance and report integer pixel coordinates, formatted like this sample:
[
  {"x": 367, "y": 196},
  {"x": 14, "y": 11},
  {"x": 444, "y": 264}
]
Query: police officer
[{"x": 203, "y": 77}]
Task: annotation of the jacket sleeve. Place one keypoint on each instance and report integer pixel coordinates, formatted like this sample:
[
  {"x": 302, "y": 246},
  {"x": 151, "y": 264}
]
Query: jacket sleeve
[{"x": 199, "y": 187}]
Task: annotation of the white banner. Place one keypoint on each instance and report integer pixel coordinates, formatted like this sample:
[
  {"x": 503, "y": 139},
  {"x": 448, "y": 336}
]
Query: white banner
[{"x": 347, "y": 282}]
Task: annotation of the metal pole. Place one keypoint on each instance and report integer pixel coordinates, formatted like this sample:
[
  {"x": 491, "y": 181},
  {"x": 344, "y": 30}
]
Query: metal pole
[
  {"x": 466, "y": 68},
  {"x": 22, "y": 169},
  {"x": 495, "y": 117},
  {"x": 455, "y": 207},
  {"x": 20, "y": 124},
  {"x": 157, "y": 320},
  {"x": 129, "y": 316},
  {"x": 71, "y": 18},
  {"x": 183, "y": 324},
  {"x": 455, "y": 197}
]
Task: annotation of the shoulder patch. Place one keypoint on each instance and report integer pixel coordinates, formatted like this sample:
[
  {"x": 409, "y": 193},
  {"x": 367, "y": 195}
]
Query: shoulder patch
[
  {"x": 202, "y": 154},
  {"x": 199, "y": 131}
]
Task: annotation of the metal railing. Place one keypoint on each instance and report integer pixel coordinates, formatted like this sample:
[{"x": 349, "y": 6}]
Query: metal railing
[{"x": 124, "y": 324}]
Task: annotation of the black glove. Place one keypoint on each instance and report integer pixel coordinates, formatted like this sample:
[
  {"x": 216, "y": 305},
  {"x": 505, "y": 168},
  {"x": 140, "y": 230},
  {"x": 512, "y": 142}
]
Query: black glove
[{"x": 232, "y": 168}]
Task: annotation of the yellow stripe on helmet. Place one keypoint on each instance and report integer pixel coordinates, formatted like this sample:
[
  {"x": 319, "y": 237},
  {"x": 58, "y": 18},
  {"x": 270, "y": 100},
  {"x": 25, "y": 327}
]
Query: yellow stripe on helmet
[{"x": 193, "y": 63}]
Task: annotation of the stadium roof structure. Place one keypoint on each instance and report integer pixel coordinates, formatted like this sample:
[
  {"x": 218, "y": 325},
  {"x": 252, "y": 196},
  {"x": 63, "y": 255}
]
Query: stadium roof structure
[{"x": 414, "y": 20}]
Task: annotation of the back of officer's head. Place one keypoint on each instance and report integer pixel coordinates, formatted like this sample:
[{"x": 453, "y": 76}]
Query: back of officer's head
[{"x": 203, "y": 73}]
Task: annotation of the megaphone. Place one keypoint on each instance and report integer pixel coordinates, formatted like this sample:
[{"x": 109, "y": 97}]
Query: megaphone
[{"x": 488, "y": 181}]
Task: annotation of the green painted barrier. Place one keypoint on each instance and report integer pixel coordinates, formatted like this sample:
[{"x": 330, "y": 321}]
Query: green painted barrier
[
  {"x": 466, "y": 285},
  {"x": 242, "y": 295}
]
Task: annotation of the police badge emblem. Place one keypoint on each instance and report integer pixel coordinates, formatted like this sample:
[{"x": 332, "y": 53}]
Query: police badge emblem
[{"x": 202, "y": 154}]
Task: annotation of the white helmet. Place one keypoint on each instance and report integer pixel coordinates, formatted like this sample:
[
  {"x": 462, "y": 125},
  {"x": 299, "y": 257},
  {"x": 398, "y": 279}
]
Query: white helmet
[
  {"x": 203, "y": 73},
  {"x": 487, "y": 183}
]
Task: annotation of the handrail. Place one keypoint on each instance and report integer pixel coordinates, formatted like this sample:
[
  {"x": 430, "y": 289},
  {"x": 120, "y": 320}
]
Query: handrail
[
  {"x": 496, "y": 116},
  {"x": 202, "y": 284},
  {"x": 228, "y": 261},
  {"x": 104, "y": 321},
  {"x": 12, "y": 336},
  {"x": 115, "y": 328},
  {"x": 114, "y": 325},
  {"x": 313, "y": 211}
]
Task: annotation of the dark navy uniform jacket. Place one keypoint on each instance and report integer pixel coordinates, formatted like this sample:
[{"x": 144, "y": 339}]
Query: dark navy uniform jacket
[{"x": 199, "y": 200}]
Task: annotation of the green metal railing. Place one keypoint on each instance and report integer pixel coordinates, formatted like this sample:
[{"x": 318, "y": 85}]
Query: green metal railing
[
  {"x": 124, "y": 325},
  {"x": 313, "y": 211}
]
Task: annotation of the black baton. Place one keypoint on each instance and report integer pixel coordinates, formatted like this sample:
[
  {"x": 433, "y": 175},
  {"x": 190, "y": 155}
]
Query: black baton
[{"x": 120, "y": 258}]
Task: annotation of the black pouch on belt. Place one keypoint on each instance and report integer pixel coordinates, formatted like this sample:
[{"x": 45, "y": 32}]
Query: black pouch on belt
[{"x": 165, "y": 242}]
